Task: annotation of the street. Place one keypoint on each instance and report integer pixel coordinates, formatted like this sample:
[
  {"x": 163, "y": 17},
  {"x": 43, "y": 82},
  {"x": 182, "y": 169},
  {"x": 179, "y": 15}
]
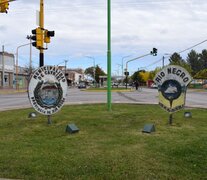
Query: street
[{"x": 194, "y": 98}]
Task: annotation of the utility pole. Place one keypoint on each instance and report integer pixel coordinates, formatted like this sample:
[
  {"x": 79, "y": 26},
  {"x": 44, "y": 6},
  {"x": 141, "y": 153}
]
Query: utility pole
[
  {"x": 42, "y": 28},
  {"x": 3, "y": 67},
  {"x": 30, "y": 54},
  {"x": 65, "y": 65},
  {"x": 163, "y": 58}
]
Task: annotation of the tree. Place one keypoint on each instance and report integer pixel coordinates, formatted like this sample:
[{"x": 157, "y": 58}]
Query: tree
[
  {"x": 90, "y": 71},
  {"x": 154, "y": 72},
  {"x": 203, "y": 59},
  {"x": 194, "y": 62},
  {"x": 98, "y": 72},
  {"x": 137, "y": 76},
  {"x": 176, "y": 59},
  {"x": 145, "y": 75},
  {"x": 201, "y": 74}
]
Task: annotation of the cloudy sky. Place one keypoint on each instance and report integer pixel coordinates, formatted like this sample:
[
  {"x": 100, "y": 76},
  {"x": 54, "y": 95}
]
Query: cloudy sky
[{"x": 81, "y": 30}]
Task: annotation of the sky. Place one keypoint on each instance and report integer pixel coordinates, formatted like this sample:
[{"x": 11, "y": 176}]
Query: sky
[{"x": 81, "y": 31}]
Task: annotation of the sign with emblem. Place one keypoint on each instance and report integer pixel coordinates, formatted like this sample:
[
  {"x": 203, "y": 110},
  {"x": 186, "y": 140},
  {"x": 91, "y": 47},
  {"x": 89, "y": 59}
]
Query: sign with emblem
[
  {"x": 172, "y": 83},
  {"x": 47, "y": 90}
]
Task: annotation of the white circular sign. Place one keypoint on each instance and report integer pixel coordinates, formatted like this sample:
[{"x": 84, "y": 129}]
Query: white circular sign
[{"x": 47, "y": 90}]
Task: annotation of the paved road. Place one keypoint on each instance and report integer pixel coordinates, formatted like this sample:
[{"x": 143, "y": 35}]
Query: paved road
[{"x": 75, "y": 96}]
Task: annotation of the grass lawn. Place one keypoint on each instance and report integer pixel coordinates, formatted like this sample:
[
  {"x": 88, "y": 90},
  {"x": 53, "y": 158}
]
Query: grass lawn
[{"x": 110, "y": 145}]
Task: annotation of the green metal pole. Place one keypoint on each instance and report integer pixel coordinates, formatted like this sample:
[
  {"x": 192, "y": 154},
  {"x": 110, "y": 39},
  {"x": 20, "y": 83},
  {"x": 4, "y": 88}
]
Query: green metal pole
[
  {"x": 109, "y": 58},
  {"x": 42, "y": 27}
]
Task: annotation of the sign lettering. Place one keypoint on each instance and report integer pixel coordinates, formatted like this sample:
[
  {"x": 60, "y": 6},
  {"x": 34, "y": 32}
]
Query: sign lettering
[
  {"x": 47, "y": 90},
  {"x": 172, "y": 82}
]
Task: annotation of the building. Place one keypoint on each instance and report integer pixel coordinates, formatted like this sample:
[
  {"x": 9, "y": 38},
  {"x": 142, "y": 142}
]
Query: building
[
  {"x": 22, "y": 77},
  {"x": 74, "y": 76},
  {"x": 6, "y": 70},
  {"x": 10, "y": 77}
]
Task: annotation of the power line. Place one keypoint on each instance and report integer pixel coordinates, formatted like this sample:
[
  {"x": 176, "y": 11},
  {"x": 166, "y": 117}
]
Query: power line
[
  {"x": 177, "y": 52},
  {"x": 192, "y": 47}
]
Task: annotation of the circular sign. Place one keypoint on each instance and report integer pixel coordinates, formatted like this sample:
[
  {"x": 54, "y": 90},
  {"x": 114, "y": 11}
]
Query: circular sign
[
  {"x": 47, "y": 90},
  {"x": 171, "y": 89}
]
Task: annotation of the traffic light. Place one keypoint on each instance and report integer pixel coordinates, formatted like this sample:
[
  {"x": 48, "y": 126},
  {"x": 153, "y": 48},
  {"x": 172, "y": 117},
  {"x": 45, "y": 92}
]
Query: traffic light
[
  {"x": 38, "y": 38},
  {"x": 4, "y": 6},
  {"x": 47, "y": 35},
  {"x": 154, "y": 52}
]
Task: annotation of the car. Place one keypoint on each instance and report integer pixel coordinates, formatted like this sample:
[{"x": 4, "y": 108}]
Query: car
[
  {"x": 82, "y": 85},
  {"x": 115, "y": 84},
  {"x": 153, "y": 85}
]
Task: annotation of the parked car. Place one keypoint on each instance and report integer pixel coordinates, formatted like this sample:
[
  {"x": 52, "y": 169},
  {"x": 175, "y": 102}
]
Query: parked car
[
  {"x": 81, "y": 85},
  {"x": 153, "y": 85},
  {"x": 115, "y": 84}
]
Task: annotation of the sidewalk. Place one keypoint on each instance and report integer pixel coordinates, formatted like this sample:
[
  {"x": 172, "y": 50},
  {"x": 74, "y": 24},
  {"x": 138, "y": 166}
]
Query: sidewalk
[{"x": 12, "y": 90}]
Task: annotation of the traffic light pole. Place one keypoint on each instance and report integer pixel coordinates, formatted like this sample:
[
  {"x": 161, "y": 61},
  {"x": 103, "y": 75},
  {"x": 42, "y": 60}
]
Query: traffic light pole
[
  {"x": 133, "y": 60},
  {"x": 49, "y": 121},
  {"x": 42, "y": 27},
  {"x": 41, "y": 59}
]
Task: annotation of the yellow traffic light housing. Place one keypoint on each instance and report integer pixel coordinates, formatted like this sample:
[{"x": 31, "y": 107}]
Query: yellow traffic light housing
[
  {"x": 4, "y": 6},
  {"x": 41, "y": 36},
  {"x": 47, "y": 35},
  {"x": 38, "y": 38}
]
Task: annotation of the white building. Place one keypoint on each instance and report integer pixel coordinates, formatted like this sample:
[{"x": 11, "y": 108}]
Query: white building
[
  {"x": 6, "y": 69},
  {"x": 74, "y": 76}
]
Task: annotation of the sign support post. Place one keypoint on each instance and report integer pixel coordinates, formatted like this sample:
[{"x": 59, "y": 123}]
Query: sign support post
[
  {"x": 49, "y": 121},
  {"x": 172, "y": 83},
  {"x": 170, "y": 118},
  {"x": 47, "y": 90}
]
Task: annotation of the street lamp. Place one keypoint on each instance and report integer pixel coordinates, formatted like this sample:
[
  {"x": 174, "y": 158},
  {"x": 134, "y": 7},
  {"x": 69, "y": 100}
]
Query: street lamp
[
  {"x": 163, "y": 58},
  {"x": 65, "y": 61},
  {"x": 123, "y": 67},
  {"x": 94, "y": 66},
  {"x": 30, "y": 54},
  {"x": 17, "y": 62},
  {"x": 119, "y": 65}
]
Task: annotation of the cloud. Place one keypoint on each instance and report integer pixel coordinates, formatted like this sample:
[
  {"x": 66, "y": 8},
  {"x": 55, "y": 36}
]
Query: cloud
[{"x": 81, "y": 26}]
